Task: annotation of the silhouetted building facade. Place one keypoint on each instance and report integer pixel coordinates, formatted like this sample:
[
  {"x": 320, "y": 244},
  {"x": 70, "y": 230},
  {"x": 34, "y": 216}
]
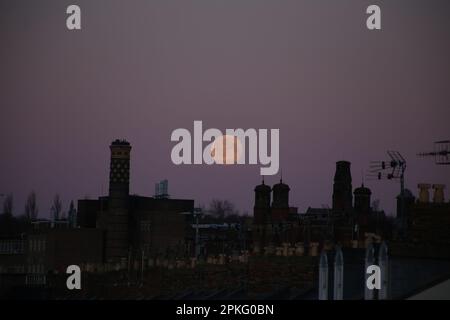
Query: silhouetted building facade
[
  {"x": 362, "y": 207},
  {"x": 342, "y": 187},
  {"x": 430, "y": 221},
  {"x": 273, "y": 222},
  {"x": 280, "y": 203},
  {"x": 261, "y": 209},
  {"x": 346, "y": 222},
  {"x": 362, "y": 200},
  {"x": 134, "y": 226}
]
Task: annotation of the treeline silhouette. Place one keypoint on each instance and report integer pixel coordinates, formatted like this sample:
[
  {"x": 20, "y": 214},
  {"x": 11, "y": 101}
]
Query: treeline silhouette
[{"x": 12, "y": 225}]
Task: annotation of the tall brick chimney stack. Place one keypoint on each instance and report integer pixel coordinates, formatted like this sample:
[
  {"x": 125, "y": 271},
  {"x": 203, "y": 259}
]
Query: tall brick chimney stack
[{"x": 117, "y": 236}]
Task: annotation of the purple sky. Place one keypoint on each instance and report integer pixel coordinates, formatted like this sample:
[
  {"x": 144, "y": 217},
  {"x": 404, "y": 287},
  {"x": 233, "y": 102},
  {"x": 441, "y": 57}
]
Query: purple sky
[{"x": 140, "y": 69}]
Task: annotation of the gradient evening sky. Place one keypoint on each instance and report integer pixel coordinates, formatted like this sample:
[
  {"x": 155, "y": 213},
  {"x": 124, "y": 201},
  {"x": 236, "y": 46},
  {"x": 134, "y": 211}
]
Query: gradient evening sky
[{"x": 140, "y": 69}]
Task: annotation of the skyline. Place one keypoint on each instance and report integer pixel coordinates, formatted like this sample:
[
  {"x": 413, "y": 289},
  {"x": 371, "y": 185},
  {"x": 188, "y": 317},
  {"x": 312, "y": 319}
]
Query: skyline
[
  {"x": 269, "y": 180},
  {"x": 335, "y": 91}
]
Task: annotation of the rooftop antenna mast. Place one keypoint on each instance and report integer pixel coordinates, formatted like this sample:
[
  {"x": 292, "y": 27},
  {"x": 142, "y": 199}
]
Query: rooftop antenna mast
[
  {"x": 441, "y": 152},
  {"x": 390, "y": 170}
]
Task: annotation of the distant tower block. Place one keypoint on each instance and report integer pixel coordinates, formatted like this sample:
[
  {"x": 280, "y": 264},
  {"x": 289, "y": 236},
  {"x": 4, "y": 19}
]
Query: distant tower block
[
  {"x": 424, "y": 193},
  {"x": 117, "y": 224},
  {"x": 438, "y": 196},
  {"x": 162, "y": 189},
  {"x": 342, "y": 187}
]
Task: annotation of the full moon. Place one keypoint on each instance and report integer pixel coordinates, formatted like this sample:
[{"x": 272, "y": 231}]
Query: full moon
[{"x": 226, "y": 149}]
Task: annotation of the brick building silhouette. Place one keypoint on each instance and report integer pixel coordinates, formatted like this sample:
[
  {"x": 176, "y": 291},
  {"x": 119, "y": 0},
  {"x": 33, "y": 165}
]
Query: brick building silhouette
[{"x": 134, "y": 225}]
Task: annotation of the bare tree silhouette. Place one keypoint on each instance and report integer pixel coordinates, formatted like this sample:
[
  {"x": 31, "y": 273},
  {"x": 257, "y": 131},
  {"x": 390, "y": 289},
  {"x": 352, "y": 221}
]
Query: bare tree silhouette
[
  {"x": 72, "y": 214},
  {"x": 31, "y": 209},
  {"x": 222, "y": 208},
  {"x": 56, "y": 207},
  {"x": 8, "y": 205}
]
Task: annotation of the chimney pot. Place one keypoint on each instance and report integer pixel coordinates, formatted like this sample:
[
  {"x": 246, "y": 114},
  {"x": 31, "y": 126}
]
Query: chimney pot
[
  {"x": 438, "y": 196},
  {"x": 424, "y": 194}
]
